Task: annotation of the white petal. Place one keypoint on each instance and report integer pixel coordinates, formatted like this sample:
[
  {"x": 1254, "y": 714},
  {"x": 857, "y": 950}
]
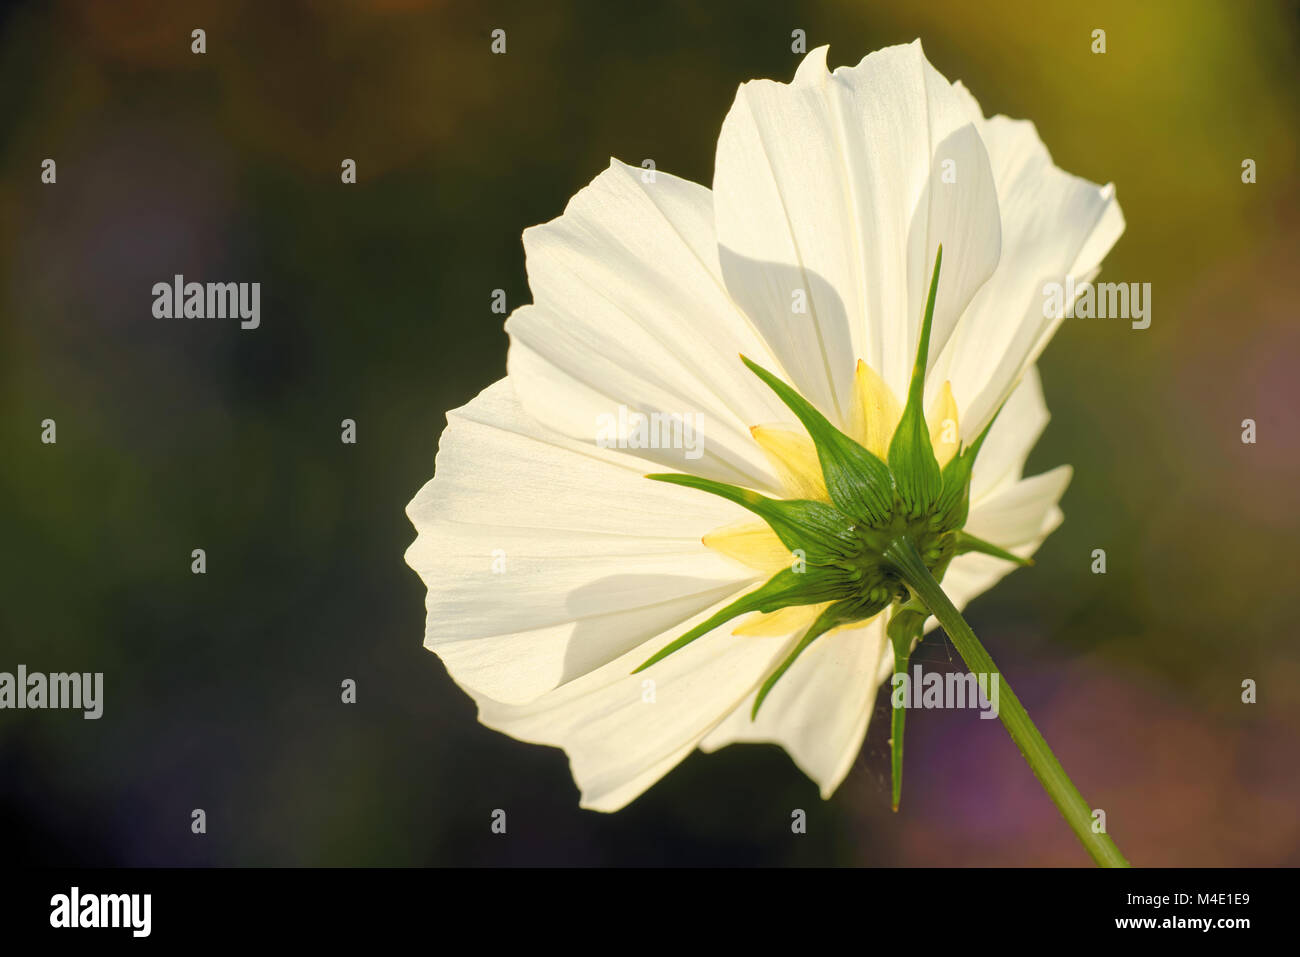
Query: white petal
[
  {"x": 833, "y": 186},
  {"x": 630, "y": 310},
  {"x": 819, "y": 709},
  {"x": 1023, "y": 512},
  {"x": 1001, "y": 460},
  {"x": 1053, "y": 225},
  {"x": 624, "y": 731},
  {"x": 545, "y": 559}
]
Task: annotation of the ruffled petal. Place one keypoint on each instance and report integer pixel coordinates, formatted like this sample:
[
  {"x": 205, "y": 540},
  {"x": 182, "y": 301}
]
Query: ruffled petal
[
  {"x": 545, "y": 559},
  {"x": 832, "y": 194},
  {"x": 630, "y": 315},
  {"x": 1053, "y": 225},
  {"x": 624, "y": 731},
  {"x": 819, "y": 710},
  {"x": 1001, "y": 460}
]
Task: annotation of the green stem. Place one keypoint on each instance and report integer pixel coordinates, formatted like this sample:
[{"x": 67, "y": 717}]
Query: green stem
[{"x": 903, "y": 554}]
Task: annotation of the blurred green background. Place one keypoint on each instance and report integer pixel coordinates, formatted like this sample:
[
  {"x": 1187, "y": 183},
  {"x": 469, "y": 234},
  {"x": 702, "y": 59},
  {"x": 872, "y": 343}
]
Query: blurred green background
[{"x": 222, "y": 691}]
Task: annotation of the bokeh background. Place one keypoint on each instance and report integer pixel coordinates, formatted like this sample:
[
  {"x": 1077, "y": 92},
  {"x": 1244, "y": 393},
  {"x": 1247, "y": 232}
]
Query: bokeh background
[{"x": 222, "y": 691}]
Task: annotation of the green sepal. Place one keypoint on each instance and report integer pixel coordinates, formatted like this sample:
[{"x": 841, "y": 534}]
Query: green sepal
[
  {"x": 841, "y": 613},
  {"x": 787, "y": 587},
  {"x": 859, "y": 483},
  {"x": 905, "y": 626},
  {"x": 911, "y": 457},
  {"x": 814, "y": 528},
  {"x": 953, "y": 507},
  {"x": 967, "y": 542}
]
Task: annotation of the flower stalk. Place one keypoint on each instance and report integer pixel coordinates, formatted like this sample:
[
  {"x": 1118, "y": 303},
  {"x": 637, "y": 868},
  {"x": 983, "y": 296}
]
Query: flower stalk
[{"x": 1076, "y": 811}]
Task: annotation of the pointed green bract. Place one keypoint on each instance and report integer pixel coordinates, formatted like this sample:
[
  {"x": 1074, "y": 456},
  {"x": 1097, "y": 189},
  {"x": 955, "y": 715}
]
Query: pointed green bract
[
  {"x": 953, "y": 506},
  {"x": 785, "y": 588},
  {"x": 911, "y": 457},
  {"x": 859, "y": 483},
  {"x": 967, "y": 542},
  {"x": 840, "y": 613},
  {"x": 815, "y": 528},
  {"x": 905, "y": 626}
]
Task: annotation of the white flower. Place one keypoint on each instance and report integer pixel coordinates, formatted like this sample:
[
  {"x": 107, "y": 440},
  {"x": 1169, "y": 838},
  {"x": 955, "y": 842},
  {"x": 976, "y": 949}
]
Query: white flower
[{"x": 555, "y": 568}]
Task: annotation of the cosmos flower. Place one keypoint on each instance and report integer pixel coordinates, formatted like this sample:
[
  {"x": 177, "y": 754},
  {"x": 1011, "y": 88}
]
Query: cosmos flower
[{"x": 773, "y": 323}]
